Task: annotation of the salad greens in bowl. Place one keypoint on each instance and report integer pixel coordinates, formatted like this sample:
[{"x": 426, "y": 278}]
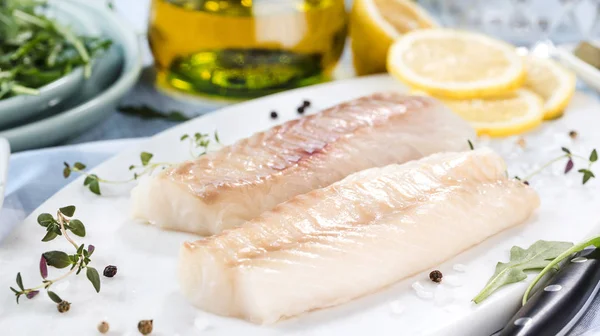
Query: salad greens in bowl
[{"x": 45, "y": 55}]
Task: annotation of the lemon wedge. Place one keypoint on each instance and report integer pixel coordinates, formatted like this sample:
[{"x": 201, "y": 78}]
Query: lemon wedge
[
  {"x": 375, "y": 24},
  {"x": 552, "y": 82},
  {"x": 455, "y": 64},
  {"x": 509, "y": 114}
]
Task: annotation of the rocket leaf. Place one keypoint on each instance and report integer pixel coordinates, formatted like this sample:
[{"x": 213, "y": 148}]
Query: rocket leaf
[
  {"x": 595, "y": 241},
  {"x": 536, "y": 257}
]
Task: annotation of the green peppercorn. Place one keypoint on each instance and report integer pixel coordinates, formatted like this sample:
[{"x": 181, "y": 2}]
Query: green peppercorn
[
  {"x": 145, "y": 327},
  {"x": 63, "y": 307}
]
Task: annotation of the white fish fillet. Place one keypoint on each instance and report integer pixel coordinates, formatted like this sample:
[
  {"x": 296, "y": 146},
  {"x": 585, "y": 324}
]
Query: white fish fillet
[
  {"x": 354, "y": 237},
  {"x": 224, "y": 189}
]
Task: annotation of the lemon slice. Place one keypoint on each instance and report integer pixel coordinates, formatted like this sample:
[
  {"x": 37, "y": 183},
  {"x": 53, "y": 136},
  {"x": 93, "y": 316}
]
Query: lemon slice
[
  {"x": 509, "y": 114},
  {"x": 552, "y": 82},
  {"x": 455, "y": 64},
  {"x": 375, "y": 24}
]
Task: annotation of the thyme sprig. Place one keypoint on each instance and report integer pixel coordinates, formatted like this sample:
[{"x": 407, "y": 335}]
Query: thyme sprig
[
  {"x": 200, "y": 141},
  {"x": 586, "y": 172},
  {"x": 92, "y": 181},
  {"x": 198, "y": 146},
  {"x": 60, "y": 225}
]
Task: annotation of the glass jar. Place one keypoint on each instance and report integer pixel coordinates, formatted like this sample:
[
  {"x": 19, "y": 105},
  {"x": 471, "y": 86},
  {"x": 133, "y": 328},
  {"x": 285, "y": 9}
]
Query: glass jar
[{"x": 245, "y": 48}]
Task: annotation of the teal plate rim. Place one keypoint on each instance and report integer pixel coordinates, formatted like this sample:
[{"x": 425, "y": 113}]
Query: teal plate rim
[{"x": 78, "y": 118}]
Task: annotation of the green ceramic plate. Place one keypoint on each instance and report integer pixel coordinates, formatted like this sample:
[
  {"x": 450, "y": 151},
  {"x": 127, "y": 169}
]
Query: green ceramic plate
[{"x": 112, "y": 76}]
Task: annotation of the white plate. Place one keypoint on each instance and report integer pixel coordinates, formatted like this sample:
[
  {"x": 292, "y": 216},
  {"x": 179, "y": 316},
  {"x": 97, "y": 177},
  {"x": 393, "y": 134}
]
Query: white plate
[{"x": 146, "y": 285}]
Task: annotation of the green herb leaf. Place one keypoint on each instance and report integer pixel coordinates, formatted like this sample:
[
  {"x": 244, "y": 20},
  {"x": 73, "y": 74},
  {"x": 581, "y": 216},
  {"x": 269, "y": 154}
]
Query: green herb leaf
[
  {"x": 536, "y": 257},
  {"x": 594, "y": 156},
  {"x": 94, "y": 278},
  {"x": 93, "y": 184},
  {"x": 50, "y": 235},
  {"x": 20, "y": 281},
  {"x": 471, "y": 145},
  {"x": 45, "y": 219},
  {"x": 14, "y": 290},
  {"x": 77, "y": 228},
  {"x": 54, "y": 297},
  {"x": 132, "y": 167},
  {"x": 57, "y": 259},
  {"x": 148, "y": 112},
  {"x": 145, "y": 157},
  {"x": 89, "y": 179},
  {"x": 79, "y": 165},
  {"x": 68, "y": 211},
  {"x": 66, "y": 172},
  {"x": 566, "y": 150},
  {"x": 183, "y": 137},
  {"x": 219, "y": 141},
  {"x": 595, "y": 241}
]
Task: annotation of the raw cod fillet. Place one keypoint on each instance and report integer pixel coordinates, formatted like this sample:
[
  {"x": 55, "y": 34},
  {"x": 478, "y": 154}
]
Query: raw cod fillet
[
  {"x": 354, "y": 237},
  {"x": 223, "y": 189}
]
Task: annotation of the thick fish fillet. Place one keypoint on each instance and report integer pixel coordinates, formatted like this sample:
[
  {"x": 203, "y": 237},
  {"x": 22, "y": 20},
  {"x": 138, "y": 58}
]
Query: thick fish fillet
[
  {"x": 224, "y": 189},
  {"x": 354, "y": 237}
]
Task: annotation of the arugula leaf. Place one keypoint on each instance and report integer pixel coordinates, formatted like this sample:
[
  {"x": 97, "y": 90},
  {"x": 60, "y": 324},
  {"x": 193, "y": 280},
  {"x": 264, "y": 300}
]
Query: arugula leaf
[
  {"x": 565, "y": 254},
  {"x": 536, "y": 257}
]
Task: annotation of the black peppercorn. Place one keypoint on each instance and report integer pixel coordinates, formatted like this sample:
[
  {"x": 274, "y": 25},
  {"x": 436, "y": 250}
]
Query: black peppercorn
[
  {"x": 306, "y": 103},
  {"x": 300, "y": 110},
  {"x": 573, "y": 135},
  {"x": 436, "y": 276},
  {"x": 63, "y": 307},
  {"x": 526, "y": 182},
  {"x": 145, "y": 327},
  {"x": 274, "y": 115},
  {"x": 110, "y": 271}
]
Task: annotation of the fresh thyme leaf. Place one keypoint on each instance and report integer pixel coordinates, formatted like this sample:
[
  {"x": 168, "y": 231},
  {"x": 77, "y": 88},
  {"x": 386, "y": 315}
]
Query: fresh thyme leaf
[
  {"x": 43, "y": 267},
  {"x": 68, "y": 211},
  {"x": 77, "y": 227},
  {"x": 50, "y": 235},
  {"x": 94, "y": 278},
  {"x": 66, "y": 172},
  {"x": 45, "y": 219},
  {"x": 145, "y": 157},
  {"x": 58, "y": 259},
  {"x": 536, "y": 257},
  {"x": 148, "y": 112},
  {"x": 594, "y": 156},
  {"x": 569, "y": 166},
  {"x": 54, "y": 297},
  {"x": 566, "y": 150},
  {"x": 20, "y": 281},
  {"x": 183, "y": 137},
  {"x": 471, "y": 145},
  {"x": 217, "y": 137},
  {"x": 79, "y": 165},
  {"x": 95, "y": 187}
]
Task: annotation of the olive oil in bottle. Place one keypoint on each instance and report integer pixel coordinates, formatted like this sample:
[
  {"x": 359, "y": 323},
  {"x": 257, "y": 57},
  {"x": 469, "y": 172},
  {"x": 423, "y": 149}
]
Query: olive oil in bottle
[{"x": 245, "y": 48}]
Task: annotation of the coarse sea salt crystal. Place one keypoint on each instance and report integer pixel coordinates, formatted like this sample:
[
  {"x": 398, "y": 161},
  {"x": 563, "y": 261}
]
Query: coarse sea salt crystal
[
  {"x": 460, "y": 267},
  {"x": 62, "y": 285},
  {"x": 453, "y": 280},
  {"x": 426, "y": 295},
  {"x": 396, "y": 307},
  {"x": 201, "y": 323}
]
